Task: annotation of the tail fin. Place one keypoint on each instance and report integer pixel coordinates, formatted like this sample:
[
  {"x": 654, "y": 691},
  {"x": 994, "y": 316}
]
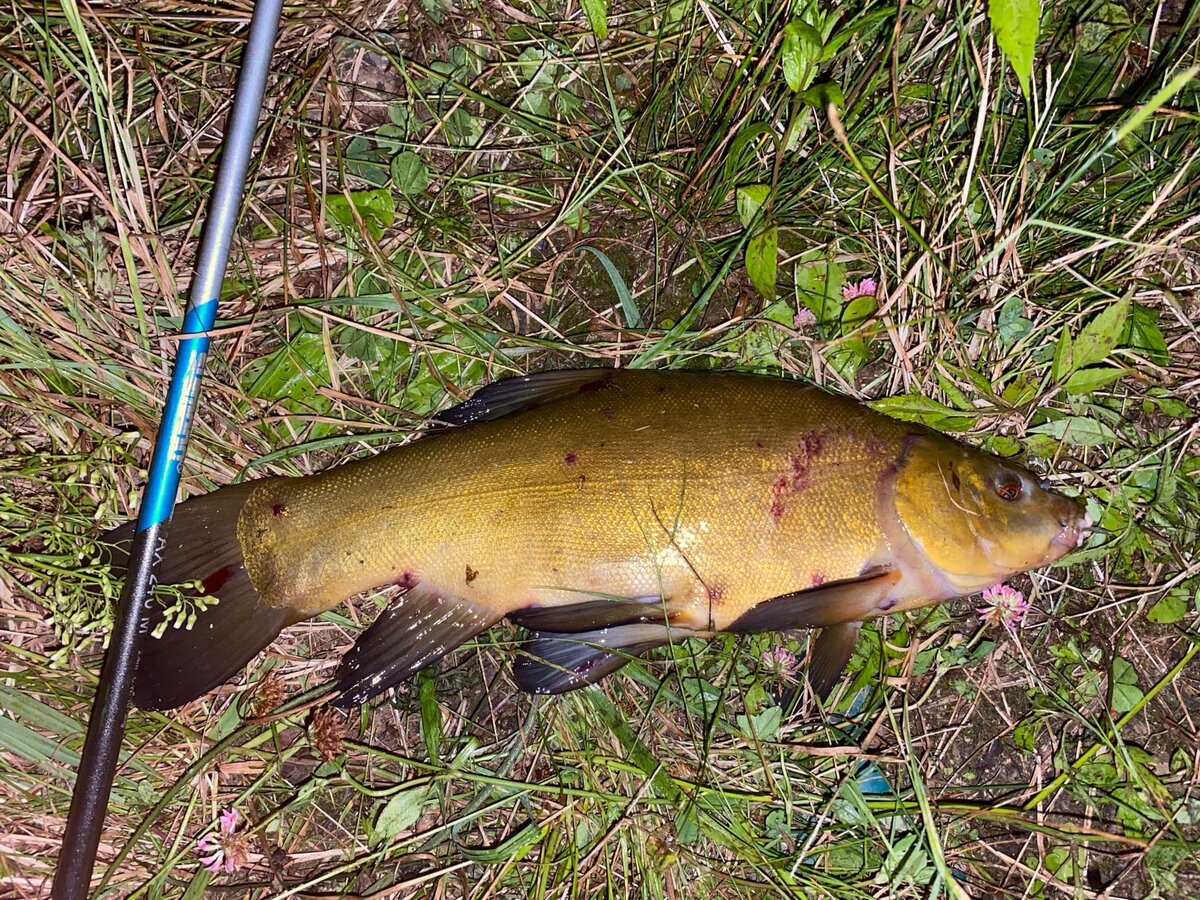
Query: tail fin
[{"x": 201, "y": 545}]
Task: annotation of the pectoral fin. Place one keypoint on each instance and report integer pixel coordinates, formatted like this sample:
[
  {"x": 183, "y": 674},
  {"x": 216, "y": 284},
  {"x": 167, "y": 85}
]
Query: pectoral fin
[
  {"x": 418, "y": 629},
  {"x": 830, "y": 653},
  {"x": 836, "y": 603}
]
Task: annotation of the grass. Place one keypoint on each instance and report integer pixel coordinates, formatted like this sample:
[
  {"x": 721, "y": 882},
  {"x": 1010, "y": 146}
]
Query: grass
[{"x": 446, "y": 194}]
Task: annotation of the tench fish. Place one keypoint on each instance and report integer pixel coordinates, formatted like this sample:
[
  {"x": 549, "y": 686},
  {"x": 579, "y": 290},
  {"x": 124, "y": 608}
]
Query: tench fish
[{"x": 608, "y": 512}]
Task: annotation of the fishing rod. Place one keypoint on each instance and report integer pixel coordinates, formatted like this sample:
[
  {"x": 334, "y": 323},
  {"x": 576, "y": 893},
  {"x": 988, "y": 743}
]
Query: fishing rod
[{"x": 106, "y": 726}]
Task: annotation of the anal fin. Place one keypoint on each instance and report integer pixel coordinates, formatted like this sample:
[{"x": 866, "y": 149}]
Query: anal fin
[
  {"x": 415, "y": 631},
  {"x": 557, "y": 663}
]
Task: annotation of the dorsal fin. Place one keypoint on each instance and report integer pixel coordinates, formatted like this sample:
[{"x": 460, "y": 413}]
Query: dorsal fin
[{"x": 524, "y": 392}]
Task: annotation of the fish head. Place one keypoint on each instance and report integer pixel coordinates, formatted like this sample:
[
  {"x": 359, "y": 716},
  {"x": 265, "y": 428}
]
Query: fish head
[{"x": 979, "y": 519}]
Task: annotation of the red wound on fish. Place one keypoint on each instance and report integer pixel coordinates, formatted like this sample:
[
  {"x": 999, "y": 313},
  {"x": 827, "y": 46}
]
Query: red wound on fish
[
  {"x": 817, "y": 579},
  {"x": 795, "y": 477},
  {"x": 715, "y": 593},
  {"x": 571, "y": 458},
  {"x": 216, "y": 580},
  {"x": 472, "y": 574},
  {"x": 887, "y": 604},
  {"x": 407, "y": 580},
  {"x": 279, "y": 510}
]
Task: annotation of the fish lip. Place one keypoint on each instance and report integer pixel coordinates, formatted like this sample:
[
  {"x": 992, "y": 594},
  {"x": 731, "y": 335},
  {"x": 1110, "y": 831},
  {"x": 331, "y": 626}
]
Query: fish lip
[{"x": 1074, "y": 532}]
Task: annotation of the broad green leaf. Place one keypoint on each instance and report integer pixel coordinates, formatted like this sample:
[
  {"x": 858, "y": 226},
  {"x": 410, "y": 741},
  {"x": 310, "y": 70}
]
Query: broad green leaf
[
  {"x": 764, "y": 726},
  {"x": 917, "y": 408},
  {"x": 762, "y": 261},
  {"x": 376, "y": 209},
  {"x": 597, "y": 16},
  {"x": 1011, "y": 324},
  {"x": 1087, "y": 380},
  {"x": 1015, "y": 24},
  {"x": 800, "y": 52},
  {"x": 1100, "y": 335},
  {"x": 1125, "y": 692},
  {"x": 1019, "y": 391},
  {"x": 1002, "y": 445},
  {"x": 1095, "y": 30},
  {"x": 858, "y": 311},
  {"x": 1145, "y": 335},
  {"x": 1169, "y": 610},
  {"x": 366, "y": 159},
  {"x": 409, "y": 173},
  {"x": 821, "y": 95},
  {"x": 399, "y": 814},
  {"x": 749, "y": 198},
  {"x": 819, "y": 288},
  {"x": 1078, "y": 430}
]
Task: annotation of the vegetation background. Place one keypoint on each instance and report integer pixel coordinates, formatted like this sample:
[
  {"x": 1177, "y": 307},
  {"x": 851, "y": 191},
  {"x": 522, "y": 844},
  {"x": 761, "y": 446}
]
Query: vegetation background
[{"x": 446, "y": 193}]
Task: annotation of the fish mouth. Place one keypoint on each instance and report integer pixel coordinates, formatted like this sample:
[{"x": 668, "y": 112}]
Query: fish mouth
[{"x": 1074, "y": 532}]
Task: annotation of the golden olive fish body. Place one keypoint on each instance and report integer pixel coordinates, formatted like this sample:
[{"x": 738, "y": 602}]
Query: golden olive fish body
[{"x": 608, "y": 511}]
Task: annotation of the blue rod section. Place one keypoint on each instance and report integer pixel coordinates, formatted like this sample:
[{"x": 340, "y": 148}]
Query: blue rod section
[{"x": 106, "y": 726}]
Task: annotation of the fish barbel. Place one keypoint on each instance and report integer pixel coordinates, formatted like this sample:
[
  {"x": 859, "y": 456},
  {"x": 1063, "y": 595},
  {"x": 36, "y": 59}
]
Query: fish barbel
[{"x": 608, "y": 512}]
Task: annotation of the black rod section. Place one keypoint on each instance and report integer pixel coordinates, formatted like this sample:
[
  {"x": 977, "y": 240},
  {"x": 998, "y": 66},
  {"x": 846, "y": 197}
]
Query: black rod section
[{"x": 106, "y": 726}]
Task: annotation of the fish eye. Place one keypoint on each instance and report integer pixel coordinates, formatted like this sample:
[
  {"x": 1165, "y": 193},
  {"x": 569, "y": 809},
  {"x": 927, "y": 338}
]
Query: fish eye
[{"x": 1007, "y": 485}]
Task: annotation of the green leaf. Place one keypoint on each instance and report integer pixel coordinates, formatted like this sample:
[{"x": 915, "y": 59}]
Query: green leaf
[
  {"x": 1126, "y": 693},
  {"x": 376, "y": 208},
  {"x": 819, "y": 287},
  {"x": 291, "y": 373},
  {"x": 858, "y": 311},
  {"x": 1100, "y": 335},
  {"x": 399, "y": 814},
  {"x": 633, "y": 318},
  {"x": 1146, "y": 336},
  {"x": 431, "y": 715},
  {"x": 1087, "y": 380},
  {"x": 1165, "y": 93},
  {"x": 762, "y": 261},
  {"x": 1169, "y": 610},
  {"x": 821, "y": 95},
  {"x": 1078, "y": 430},
  {"x": 512, "y": 849},
  {"x": 800, "y": 52},
  {"x": 409, "y": 173},
  {"x": 917, "y": 408},
  {"x": 1064, "y": 356},
  {"x": 1011, "y": 324},
  {"x": 1015, "y": 24},
  {"x": 749, "y": 198},
  {"x": 597, "y": 16}
]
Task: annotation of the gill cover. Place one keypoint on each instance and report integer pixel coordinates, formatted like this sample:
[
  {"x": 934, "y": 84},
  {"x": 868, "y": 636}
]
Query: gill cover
[{"x": 978, "y": 518}]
